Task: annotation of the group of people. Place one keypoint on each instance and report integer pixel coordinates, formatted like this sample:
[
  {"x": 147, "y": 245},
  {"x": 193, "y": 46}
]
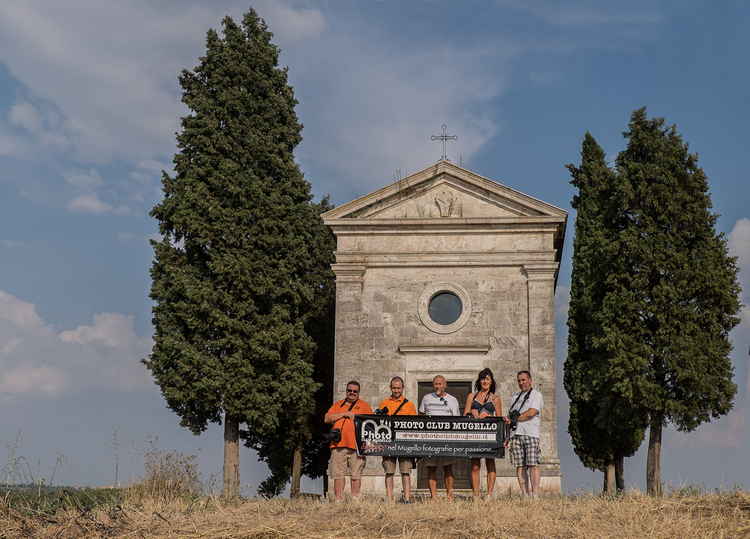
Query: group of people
[{"x": 522, "y": 439}]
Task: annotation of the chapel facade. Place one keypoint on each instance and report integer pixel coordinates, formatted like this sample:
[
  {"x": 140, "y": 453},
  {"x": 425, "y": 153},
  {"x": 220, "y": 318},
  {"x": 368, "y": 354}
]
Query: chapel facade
[{"x": 447, "y": 272}]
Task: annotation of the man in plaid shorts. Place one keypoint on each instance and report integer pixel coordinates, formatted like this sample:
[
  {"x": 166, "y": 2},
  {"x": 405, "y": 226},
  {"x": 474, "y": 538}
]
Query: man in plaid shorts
[{"x": 523, "y": 440}]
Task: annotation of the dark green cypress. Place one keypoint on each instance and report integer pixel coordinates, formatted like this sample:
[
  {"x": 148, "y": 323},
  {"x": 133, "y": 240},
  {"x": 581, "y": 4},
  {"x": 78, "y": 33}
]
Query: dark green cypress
[
  {"x": 654, "y": 295},
  {"x": 680, "y": 291},
  {"x": 232, "y": 277},
  {"x": 602, "y": 427}
]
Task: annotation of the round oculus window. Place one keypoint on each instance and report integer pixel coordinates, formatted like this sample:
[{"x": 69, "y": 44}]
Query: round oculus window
[{"x": 445, "y": 308}]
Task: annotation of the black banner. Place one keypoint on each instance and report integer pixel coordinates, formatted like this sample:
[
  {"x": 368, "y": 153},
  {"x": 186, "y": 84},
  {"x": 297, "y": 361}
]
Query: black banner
[{"x": 429, "y": 436}]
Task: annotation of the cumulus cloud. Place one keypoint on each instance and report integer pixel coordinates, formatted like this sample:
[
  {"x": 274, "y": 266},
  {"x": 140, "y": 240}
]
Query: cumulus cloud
[
  {"x": 43, "y": 125},
  {"x": 111, "y": 68},
  {"x": 562, "y": 302},
  {"x": 289, "y": 24},
  {"x": 88, "y": 204},
  {"x": 16, "y": 314},
  {"x": 35, "y": 361},
  {"x": 725, "y": 432}
]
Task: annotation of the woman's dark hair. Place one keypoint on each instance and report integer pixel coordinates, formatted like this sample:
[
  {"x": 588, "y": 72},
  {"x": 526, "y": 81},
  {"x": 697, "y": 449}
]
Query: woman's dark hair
[{"x": 482, "y": 375}]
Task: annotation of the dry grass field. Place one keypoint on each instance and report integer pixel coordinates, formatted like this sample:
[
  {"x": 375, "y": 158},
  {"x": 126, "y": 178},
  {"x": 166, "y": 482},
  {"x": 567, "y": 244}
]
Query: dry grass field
[
  {"x": 629, "y": 516},
  {"x": 169, "y": 502}
]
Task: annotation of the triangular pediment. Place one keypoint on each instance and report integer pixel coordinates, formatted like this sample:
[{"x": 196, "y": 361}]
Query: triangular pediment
[{"x": 444, "y": 191}]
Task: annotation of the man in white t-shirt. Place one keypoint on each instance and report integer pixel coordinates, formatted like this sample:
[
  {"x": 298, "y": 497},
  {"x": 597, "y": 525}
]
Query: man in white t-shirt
[
  {"x": 439, "y": 403},
  {"x": 523, "y": 438}
]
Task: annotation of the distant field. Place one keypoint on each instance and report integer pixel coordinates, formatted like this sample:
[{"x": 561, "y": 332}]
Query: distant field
[{"x": 132, "y": 514}]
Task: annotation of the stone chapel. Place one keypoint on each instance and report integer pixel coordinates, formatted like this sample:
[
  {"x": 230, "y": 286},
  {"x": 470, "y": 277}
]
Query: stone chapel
[{"x": 447, "y": 272}]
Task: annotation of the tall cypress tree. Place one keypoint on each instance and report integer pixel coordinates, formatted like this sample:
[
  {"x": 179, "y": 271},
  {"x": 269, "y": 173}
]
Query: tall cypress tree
[
  {"x": 603, "y": 429},
  {"x": 296, "y": 448},
  {"x": 231, "y": 277},
  {"x": 654, "y": 296},
  {"x": 678, "y": 299}
]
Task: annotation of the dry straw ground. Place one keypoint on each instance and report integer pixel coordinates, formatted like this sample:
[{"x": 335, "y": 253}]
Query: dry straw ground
[{"x": 582, "y": 516}]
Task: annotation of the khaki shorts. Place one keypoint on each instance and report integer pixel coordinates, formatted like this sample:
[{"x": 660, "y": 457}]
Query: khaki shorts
[
  {"x": 430, "y": 462},
  {"x": 343, "y": 459},
  {"x": 405, "y": 464}
]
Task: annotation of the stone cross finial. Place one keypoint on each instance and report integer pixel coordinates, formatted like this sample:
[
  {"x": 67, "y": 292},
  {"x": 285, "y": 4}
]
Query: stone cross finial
[{"x": 444, "y": 137}]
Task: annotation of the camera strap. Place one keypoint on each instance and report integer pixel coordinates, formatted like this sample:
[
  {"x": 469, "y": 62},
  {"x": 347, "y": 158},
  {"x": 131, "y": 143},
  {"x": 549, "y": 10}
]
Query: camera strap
[
  {"x": 526, "y": 397},
  {"x": 350, "y": 408},
  {"x": 400, "y": 406}
]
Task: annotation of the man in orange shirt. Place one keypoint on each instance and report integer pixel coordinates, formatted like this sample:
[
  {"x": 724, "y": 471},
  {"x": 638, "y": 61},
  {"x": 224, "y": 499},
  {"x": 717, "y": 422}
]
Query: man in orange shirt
[
  {"x": 344, "y": 445},
  {"x": 397, "y": 404}
]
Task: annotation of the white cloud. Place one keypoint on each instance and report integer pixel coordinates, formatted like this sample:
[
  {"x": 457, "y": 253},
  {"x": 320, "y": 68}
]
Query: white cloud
[
  {"x": 113, "y": 329},
  {"x": 41, "y": 380},
  {"x": 89, "y": 204},
  {"x": 34, "y": 361},
  {"x": 17, "y": 314},
  {"x": 152, "y": 165},
  {"x": 88, "y": 181},
  {"x": 724, "y": 432},
  {"x": 377, "y": 107},
  {"x": 26, "y": 116},
  {"x": 738, "y": 241},
  {"x": 289, "y": 24},
  {"x": 562, "y": 302},
  {"x": 111, "y": 68}
]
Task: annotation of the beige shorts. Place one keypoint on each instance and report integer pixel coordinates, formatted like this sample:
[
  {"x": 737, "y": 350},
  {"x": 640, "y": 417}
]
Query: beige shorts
[
  {"x": 343, "y": 459},
  {"x": 430, "y": 462},
  {"x": 405, "y": 464}
]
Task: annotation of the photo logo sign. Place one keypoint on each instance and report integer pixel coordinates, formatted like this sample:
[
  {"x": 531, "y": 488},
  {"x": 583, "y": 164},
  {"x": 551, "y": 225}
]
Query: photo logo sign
[{"x": 429, "y": 436}]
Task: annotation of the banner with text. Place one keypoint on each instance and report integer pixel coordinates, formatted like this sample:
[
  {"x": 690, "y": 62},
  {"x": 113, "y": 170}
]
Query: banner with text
[{"x": 429, "y": 436}]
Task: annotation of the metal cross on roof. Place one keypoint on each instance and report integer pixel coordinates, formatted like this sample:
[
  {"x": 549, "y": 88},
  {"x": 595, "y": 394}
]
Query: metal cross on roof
[{"x": 445, "y": 138}]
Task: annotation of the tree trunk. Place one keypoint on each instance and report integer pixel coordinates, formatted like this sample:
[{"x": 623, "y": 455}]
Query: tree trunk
[
  {"x": 296, "y": 470},
  {"x": 653, "y": 461},
  {"x": 609, "y": 478},
  {"x": 231, "y": 457},
  {"x": 620, "y": 472}
]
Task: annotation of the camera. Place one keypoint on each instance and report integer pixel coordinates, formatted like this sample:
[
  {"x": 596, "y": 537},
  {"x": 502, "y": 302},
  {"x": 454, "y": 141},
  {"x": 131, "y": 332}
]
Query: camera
[
  {"x": 333, "y": 436},
  {"x": 513, "y": 415},
  {"x": 381, "y": 411}
]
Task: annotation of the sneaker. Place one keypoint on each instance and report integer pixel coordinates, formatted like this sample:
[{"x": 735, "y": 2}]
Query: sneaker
[{"x": 406, "y": 502}]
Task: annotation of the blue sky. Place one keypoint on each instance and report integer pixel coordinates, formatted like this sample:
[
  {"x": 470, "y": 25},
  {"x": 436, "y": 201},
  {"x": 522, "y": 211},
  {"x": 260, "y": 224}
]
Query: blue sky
[{"x": 89, "y": 104}]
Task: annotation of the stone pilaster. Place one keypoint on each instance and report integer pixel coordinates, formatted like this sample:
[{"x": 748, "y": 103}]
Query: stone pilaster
[
  {"x": 347, "y": 346},
  {"x": 541, "y": 317}
]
